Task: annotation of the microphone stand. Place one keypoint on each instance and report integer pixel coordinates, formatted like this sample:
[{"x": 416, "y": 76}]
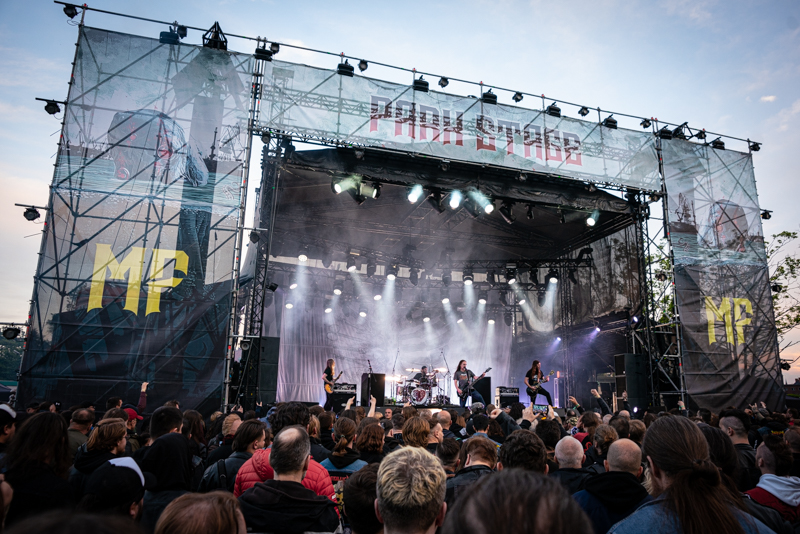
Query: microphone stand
[
  {"x": 369, "y": 380},
  {"x": 394, "y": 380}
]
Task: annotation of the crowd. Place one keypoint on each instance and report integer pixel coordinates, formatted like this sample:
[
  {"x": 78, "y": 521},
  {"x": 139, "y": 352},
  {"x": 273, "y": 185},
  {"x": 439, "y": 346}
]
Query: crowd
[{"x": 402, "y": 470}]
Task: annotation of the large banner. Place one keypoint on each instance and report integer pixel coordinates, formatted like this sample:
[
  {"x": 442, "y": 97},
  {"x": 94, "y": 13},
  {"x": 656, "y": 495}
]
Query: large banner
[
  {"x": 135, "y": 277},
  {"x": 730, "y": 349},
  {"x": 324, "y": 105}
]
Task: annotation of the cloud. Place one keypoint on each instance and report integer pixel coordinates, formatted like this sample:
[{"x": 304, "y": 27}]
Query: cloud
[
  {"x": 697, "y": 11},
  {"x": 769, "y": 98},
  {"x": 787, "y": 116},
  {"x": 23, "y": 69}
]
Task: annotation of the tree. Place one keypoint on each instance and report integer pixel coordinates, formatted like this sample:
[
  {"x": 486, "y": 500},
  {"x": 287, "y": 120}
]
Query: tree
[
  {"x": 10, "y": 357},
  {"x": 784, "y": 266}
]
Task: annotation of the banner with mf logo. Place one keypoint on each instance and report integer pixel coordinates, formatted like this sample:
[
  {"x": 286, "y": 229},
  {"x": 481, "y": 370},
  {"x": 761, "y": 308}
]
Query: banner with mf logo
[
  {"x": 135, "y": 274},
  {"x": 729, "y": 339}
]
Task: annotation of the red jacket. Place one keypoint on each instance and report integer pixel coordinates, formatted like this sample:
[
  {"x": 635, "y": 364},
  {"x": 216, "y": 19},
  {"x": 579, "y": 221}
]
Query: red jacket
[
  {"x": 257, "y": 469},
  {"x": 765, "y": 498}
]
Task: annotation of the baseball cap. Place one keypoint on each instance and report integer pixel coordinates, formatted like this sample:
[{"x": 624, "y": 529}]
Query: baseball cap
[
  {"x": 118, "y": 482},
  {"x": 132, "y": 414},
  {"x": 10, "y": 411}
]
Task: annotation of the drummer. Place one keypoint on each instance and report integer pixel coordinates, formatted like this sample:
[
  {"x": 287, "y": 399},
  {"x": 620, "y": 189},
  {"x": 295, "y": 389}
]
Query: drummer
[{"x": 422, "y": 377}]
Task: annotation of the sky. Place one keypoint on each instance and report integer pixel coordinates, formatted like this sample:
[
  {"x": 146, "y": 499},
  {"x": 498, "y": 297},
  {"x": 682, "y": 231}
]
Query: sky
[{"x": 731, "y": 67}]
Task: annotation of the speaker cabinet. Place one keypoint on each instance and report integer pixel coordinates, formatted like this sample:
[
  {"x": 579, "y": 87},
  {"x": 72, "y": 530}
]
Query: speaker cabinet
[
  {"x": 376, "y": 387},
  {"x": 268, "y": 368},
  {"x": 632, "y": 376},
  {"x": 484, "y": 387}
]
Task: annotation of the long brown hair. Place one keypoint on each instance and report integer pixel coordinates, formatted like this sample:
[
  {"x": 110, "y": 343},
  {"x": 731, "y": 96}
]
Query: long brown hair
[
  {"x": 458, "y": 368},
  {"x": 416, "y": 431},
  {"x": 199, "y": 513},
  {"x": 330, "y": 364},
  {"x": 106, "y": 435},
  {"x": 40, "y": 439},
  {"x": 344, "y": 430},
  {"x": 370, "y": 439},
  {"x": 696, "y": 495},
  {"x": 538, "y": 366}
]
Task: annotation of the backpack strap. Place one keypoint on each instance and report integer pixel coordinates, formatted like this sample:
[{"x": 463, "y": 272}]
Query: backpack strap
[{"x": 222, "y": 471}]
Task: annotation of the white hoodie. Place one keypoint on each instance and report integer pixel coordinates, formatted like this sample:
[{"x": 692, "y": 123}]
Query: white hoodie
[{"x": 786, "y": 489}]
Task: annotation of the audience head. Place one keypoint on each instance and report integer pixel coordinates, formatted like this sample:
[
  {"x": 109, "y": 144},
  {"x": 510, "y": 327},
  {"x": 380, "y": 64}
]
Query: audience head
[
  {"x": 349, "y": 414},
  {"x": 359, "y": 497},
  {"x": 792, "y": 437},
  {"x": 41, "y": 439},
  {"x": 290, "y": 450},
  {"x": 117, "y": 487},
  {"x": 569, "y": 453},
  {"x": 8, "y": 421},
  {"x": 735, "y": 423},
  {"x": 636, "y": 429},
  {"x": 524, "y": 449},
  {"x": 398, "y": 420},
  {"x": 722, "y": 453},
  {"x": 516, "y": 411},
  {"x": 536, "y": 504},
  {"x": 774, "y": 456},
  {"x": 444, "y": 419},
  {"x": 230, "y": 424},
  {"x": 249, "y": 436},
  {"x": 113, "y": 402},
  {"x": 626, "y": 456},
  {"x": 325, "y": 422},
  {"x": 436, "y": 435},
  {"x": 410, "y": 491},
  {"x": 447, "y": 453},
  {"x": 313, "y": 426},
  {"x": 108, "y": 436},
  {"x": 343, "y": 433},
  {"x": 604, "y": 436},
  {"x": 202, "y": 513},
  {"x": 174, "y": 403},
  {"x": 480, "y": 423},
  {"x": 621, "y": 425},
  {"x": 289, "y": 414},
  {"x": 550, "y": 432},
  {"x": 116, "y": 413},
  {"x": 366, "y": 422},
  {"x": 705, "y": 415},
  {"x": 415, "y": 432},
  {"x": 82, "y": 418},
  {"x": 194, "y": 426},
  {"x": 426, "y": 414},
  {"x": 67, "y": 522},
  {"x": 477, "y": 408},
  {"x": 480, "y": 451},
  {"x": 164, "y": 421},
  {"x": 370, "y": 439},
  {"x": 409, "y": 412}
]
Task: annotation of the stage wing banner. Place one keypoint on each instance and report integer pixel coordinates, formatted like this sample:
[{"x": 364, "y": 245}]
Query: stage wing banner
[
  {"x": 321, "y": 104},
  {"x": 729, "y": 339},
  {"x": 135, "y": 274}
]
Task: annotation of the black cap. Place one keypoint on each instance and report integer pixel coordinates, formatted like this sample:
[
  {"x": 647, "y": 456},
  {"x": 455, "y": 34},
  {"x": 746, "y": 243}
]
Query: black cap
[{"x": 118, "y": 482}]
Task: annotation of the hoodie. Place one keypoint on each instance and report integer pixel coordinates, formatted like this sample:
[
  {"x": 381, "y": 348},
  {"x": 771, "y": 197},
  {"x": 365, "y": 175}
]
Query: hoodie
[
  {"x": 610, "y": 497},
  {"x": 279, "y": 506},
  {"x": 86, "y": 462},
  {"x": 349, "y": 462},
  {"x": 780, "y": 493}
]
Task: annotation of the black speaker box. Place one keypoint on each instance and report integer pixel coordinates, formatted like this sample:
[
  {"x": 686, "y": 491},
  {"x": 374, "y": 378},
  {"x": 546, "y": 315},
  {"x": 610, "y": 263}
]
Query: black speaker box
[
  {"x": 268, "y": 368},
  {"x": 484, "y": 387},
  {"x": 632, "y": 376},
  {"x": 340, "y": 401},
  {"x": 376, "y": 387}
]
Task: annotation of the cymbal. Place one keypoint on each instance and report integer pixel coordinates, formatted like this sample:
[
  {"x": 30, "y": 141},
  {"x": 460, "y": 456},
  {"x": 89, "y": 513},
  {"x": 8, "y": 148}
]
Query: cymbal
[{"x": 412, "y": 370}]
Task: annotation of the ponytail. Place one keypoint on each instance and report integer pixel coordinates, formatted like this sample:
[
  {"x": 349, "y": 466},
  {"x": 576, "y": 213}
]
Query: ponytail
[{"x": 344, "y": 431}]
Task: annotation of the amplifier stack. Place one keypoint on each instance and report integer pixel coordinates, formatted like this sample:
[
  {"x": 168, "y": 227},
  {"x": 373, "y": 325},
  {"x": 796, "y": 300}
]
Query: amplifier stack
[{"x": 505, "y": 396}]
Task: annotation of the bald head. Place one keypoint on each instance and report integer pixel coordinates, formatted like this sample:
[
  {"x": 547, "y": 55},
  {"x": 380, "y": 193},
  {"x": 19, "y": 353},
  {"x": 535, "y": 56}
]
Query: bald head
[
  {"x": 625, "y": 455},
  {"x": 444, "y": 419},
  {"x": 569, "y": 453},
  {"x": 626, "y": 414}
]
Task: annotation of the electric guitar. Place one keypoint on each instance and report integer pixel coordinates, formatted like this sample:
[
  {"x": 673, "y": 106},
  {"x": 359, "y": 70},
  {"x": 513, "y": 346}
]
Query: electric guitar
[
  {"x": 466, "y": 390},
  {"x": 536, "y": 384},
  {"x": 329, "y": 387}
]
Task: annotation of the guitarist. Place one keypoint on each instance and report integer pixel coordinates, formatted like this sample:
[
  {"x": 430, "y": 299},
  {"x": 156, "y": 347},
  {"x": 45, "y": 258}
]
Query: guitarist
[
  {"x": 327, "y": 378},
  {"x": 463, "y": 378},
  {"x": 534, "y": 380}
]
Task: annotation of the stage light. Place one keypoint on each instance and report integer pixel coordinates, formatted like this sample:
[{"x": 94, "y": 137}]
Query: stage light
[
  {"x": 363, "y": 65},
  {"x": 455, "y": 199},
  {"x": 610, "y": 122},
  {"x": 553, "y": 110},
  {"x": 351, "y": 263},
  {"x": 701, "y": 135},
  {"x": 11, "y": 332},
  {"x": 328, "y": 308},
  {"x": 597, "y": 329},
  {"x": 765, "y": 214},
  {"x": 511, "y": 276},
  {"x": 272, "y": 286},
  {"x": 169, "y": 37},
  {"x": 447, "y": 278},
  {"x": 678, "y": 132},
  {"x": 326, "y": 257},
  {"x": 266, "y": 137},
  {"x": 275, "y": 48},
  {"x": 776, "y": 287},
  {"x": 571, "y": 276},
  {"x": 491, "y": 278},
  {"x": 491, "y": 320},
  {"x": 443, "y": 82},
  {"x": 467, "y": 276},
  {"x": 488, "y": 207},
  {"x": 377, "y": 296},
  {"x": 415, "y": 193},
  {"x": 71, "y": 11},
  {"x": 786, "y": 366},
  {"x": 345, "y": 69},
  {"x": 413, "y": 276},
  {"x": 506, "y": 211},
  {"x": 426, "y": 318},
  {"x": 718, "y": 143},
  {"x": 507, "y": 318},
  {"x": 51, "y": 107},
  {"x": 522, "y": 300},
  {"x": 634, "y": 319},
  {"x": 362, "y": 311},
  {"x": 541, "y": 295},
  {"x": 558, "y": 338},
  {"x": 529, "y": 212},
  {"x": 583, "y": 111},
  {"x": 289, "y": 305},
  {"x": 483, "y": 296},
  {"x": 262, "y": 53},
  {"x": 421, "y": 85},
  {"x": 460, "y": 320},
  {"x": 339, "y": 185},
  {"x": 303, "y": 256},
  {"x": 372, "y": 266},
  {"x": 552, "y": 276},
  {"x": 489, "y": 97},
  {"x": 32, "y": 214},
  {"x": 517, "y": 97},
  {"x": 338, "y": 287},
  {"x": 391, "y": 271},
  {"x": 645, "y": 123},
  {"x": 445, "y": 295},
  {"x": 754, "y": 147},
  {"x": 293, "y": 284},
  {"x": 591, "y": 220},
  {"x": 664, "y": 133},
  {"x": 437, "y": 201}
]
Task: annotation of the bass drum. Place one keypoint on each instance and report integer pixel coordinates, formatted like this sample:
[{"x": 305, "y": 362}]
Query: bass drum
[{"x": 420, "y": 396}]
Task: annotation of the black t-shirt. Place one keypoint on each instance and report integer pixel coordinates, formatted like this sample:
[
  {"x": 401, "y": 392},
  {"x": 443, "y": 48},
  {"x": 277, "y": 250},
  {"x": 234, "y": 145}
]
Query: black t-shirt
[
  {"x": 462, "y": 377},
  {"x": 329, "y": 373},
  {"x": 421, "y": 378},
  {"x": 533, "y": 379}
]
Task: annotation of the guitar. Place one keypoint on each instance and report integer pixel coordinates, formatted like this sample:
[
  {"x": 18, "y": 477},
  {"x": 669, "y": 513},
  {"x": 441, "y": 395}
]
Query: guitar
[
  {"x": 329, "y": 387},
  {"x": 536, "y": 383},
  {"x": 466, "y": 390}
]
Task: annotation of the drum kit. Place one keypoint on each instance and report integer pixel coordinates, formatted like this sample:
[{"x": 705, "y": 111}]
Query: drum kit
[{"x": 424, "y": 391}]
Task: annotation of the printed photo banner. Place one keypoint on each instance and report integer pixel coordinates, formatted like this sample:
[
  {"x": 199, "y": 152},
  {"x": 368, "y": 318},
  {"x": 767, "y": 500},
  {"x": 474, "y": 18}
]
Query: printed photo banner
[
  {"x": 136, "y": 273},
  {"x": 324, "y": 105},
  {"x": 729, "y": 339}
]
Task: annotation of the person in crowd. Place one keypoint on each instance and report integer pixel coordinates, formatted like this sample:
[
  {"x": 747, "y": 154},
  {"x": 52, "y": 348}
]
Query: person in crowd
[
  {"x": 516, "y": 500},
  {"x": 495, "y": 432},
  {"x": 68, "y": 522},
  {"x": 326, "y": 430},
  {"x": 358, "y": 499},
  {"x": 117, "y": 488},
  {"x": 637, "y": 428},
  {"x": 229, "y": 427},
  {"x": 776, "y": 489},
  {"x": 388, "y": 413},
  {"x": 344, "y": 458},
  {"x": 447, "y": 454},
  {"x": 38, "y": 461},
  {"x": 394, "y": 440},
  {"x": 370, "y": 444},
  {"x": 587, "y": 425},
  {"x": 107, "y": 442},
  {"x": 174, "y": 403},
  {"x": 688, "y": 490},
  {"x": 457, "y": 425},
  {"x": 415, "y": 432},
  {"x": 481, "y": 459},
  {"x": 613, "y": 495},
  {"x": 523, "y": 449},
  {"x": 133, "y": 439},
  {"x": 506, "y": 423},
  {"x": 736, "y": 424},
  {"x": 250, "y": 437},
  {"x": 792, "y": 437},
  {"x": 445, "y": 420},
  {"x": 410, "y": 492},
  {"x": 570, "y": 457},
  {"x": 79, "y": 426},
  {"x": 258, "y": 468},
  {"x": 169, "y": 459},
  {"x": 8, "y": 425},
  {"x": 283, "y": 504},
  {"x": 116, "y": 402},
  {"x": 549, "y": 431},
  {"x": 32, "y": 408},
  {"x": 435, "y": 437},
  {"x": 604, "y": 436},
  {"x": 196, "y": 513},
  {"x": 480, "y": 423},
  {"x": 409, "y": 412},
  {"x": 194, "y": 428},
  {"x": 621, "y": 424},
  {"x": 318, "y": 452}
]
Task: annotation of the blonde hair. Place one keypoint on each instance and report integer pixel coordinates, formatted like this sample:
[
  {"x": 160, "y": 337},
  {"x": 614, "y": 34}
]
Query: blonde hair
[
  {"x": 313, "y": 426},
  {"x": 410, "y": 489},
  {"x": 227, "y": 424},
  {"x": 106, "y": 435}
]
